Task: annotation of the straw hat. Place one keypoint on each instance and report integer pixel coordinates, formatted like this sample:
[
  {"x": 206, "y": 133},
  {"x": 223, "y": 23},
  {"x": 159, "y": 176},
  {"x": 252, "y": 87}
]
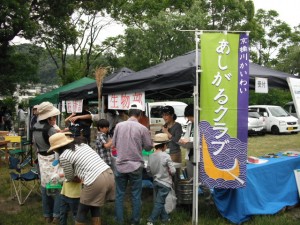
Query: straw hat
[
  {"x": 160, "y": 138},
  {"x": 46, "y": 110},
  {"x": 58, "y": 140}
]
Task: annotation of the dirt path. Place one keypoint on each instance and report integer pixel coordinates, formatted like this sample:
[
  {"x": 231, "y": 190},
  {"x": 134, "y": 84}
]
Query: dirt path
[{"x": 9, "y": 205}]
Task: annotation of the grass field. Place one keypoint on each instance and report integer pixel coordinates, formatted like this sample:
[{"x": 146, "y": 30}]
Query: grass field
[{"x": 31, "y": 214}]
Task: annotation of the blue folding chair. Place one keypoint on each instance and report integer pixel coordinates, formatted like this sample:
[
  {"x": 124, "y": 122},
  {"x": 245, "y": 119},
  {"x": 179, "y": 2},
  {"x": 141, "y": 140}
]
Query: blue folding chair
[{"x": 22, "y": 184}]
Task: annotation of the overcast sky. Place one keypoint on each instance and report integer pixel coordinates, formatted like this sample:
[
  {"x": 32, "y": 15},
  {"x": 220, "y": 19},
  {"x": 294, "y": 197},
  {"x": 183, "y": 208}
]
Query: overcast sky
[{"x": 289, "y": 10}]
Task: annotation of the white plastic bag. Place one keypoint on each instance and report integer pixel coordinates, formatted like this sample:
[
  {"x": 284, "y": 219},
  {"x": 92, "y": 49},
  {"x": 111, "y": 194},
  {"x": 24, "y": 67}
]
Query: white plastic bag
[{"x": 171, "y": 200}]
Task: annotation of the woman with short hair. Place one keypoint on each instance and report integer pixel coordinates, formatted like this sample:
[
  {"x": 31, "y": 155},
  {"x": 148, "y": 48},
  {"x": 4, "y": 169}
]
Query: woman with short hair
[{"x": 174, "y": 131}]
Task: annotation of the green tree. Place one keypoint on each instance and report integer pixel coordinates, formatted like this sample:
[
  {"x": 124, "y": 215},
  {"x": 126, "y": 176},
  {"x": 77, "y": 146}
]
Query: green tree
[
  {"x": 137, "y": 13},
  {"x": 227, "y": 14},
  {"x": 289, "y": 58},
  {"x": 45, "y": 21},
  {"x": 159, "y": 40},
  {"x": 23, "y": 65},
  {"x": 25, "y": 19},
  {"x": 271, "y": 34},
  {"x": 276, "y": 96},
  {"x": 156, "y": 35}
]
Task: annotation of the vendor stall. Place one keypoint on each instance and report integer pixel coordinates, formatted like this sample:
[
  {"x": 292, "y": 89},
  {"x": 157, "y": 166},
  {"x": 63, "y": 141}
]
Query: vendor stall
[{"x": 271, "y": 186}]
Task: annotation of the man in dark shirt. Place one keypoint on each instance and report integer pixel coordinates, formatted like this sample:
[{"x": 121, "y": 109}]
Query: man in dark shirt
[{"x": 82, "y": 123}]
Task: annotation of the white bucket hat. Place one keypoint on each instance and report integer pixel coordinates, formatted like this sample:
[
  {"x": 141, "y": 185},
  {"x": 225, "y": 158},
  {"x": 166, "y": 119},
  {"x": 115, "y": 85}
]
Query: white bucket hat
[
  {"x": 58, "y": 140},
  {"x": 46, "y": 110}
]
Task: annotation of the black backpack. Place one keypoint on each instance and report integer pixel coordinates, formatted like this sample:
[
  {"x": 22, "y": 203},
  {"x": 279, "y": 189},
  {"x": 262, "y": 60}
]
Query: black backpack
[{"x": 44, "y": 131}]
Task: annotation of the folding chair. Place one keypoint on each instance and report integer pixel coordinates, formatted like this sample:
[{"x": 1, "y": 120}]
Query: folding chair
[
  {"x": 26, "y": 146},
  {"x": 15, "y": 147},
  {"x": 22, "y": 184}
]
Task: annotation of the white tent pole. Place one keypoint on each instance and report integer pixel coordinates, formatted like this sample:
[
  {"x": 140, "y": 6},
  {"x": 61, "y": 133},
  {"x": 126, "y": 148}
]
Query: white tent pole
[
  {"x": 28, "y": 123},
  {"x": 196, "y": 134}
]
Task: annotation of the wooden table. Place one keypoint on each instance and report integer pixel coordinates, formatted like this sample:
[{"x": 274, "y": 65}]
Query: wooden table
[{"x": 4, "y": 144}]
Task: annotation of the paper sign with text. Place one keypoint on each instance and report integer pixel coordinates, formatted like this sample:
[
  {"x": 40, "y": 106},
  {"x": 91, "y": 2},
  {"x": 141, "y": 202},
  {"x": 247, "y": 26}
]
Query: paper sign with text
[
  {"x": 261, "y": 85},
  {"x": 74, "y": 106},
  {"x": 123, "y": 100}
]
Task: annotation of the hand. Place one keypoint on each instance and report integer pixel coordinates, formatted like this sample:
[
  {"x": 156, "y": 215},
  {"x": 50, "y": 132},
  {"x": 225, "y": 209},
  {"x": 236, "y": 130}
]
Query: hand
[
  {"x": 73, "y": 119},
  {"x": 65, "y": 129},
  {"x": 183, "y": 141},
  {"x": 164, "y": 129},
  {"x": 54, "y": 178}
]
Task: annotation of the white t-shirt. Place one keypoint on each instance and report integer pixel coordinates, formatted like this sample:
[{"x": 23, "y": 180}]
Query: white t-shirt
[{"x": 22, "y": 115}]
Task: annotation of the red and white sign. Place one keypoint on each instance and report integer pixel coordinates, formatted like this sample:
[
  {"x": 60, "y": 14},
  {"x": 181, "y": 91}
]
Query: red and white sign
[{"x": 124, "y": 100}]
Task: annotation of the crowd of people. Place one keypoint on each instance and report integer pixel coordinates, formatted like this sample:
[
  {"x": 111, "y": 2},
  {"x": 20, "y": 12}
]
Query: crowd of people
[
  {"x": 93, "y": 177},
  {"x": 10, "y": 119}
]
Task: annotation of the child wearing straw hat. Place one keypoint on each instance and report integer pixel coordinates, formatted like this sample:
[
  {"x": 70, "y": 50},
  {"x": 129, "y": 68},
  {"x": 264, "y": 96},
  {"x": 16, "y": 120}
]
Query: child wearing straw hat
[
  {"x": 161, "y": 167},
  {"x": 81, "y": 161}
]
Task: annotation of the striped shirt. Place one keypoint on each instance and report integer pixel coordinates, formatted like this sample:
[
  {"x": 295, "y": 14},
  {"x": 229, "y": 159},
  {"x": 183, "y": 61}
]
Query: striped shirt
[{"x": 84, "y": 162}]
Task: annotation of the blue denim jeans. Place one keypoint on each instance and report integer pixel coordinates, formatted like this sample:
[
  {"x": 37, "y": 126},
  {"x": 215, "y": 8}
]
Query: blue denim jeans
[
  {"x": 67, "y": 204},
  {"x": 161, "y": 192},
  {"x": 122, "y": 179},
  {"x": 51, "y": 204}
]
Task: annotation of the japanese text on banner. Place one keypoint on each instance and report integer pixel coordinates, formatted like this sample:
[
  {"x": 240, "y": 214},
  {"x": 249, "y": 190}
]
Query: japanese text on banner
[
  {"x": 224, "y": 107},
  {"x": 124, "y": 100}
]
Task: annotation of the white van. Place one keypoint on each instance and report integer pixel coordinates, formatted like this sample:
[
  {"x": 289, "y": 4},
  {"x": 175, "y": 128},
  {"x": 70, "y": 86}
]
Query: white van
[
  {"x": 277, "y": 120},
  {"x": 154, "y": 112}
]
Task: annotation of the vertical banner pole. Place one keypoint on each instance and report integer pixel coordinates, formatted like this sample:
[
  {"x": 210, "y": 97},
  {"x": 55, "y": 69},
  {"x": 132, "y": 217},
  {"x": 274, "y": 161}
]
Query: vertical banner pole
[{"x": 196, "y": 134}]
